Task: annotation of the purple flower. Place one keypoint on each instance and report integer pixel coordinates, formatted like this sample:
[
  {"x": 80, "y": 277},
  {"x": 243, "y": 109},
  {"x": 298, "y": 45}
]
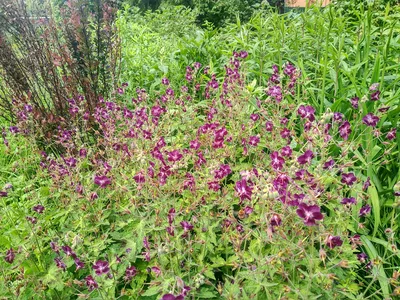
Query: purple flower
[
  {"x": 70, "y": 162},
  {"x": 348, "y": 179},
  {"x": 275, "y": 220},
  {"x": 156, "y": 270},
  {"x": 285, "y": 133},
  {"x": 60, "y": 264},
  {"x": 243, "y": 54},
  {"x": 172, "y": 297},
  {"x": 14, "y": 129},
  {"x": 55, "y": 247},
  {"x": 102, "y": 181},
  {"x": 146, "y": 243},
  {"x": 375, "y": 95},
  {"x": 101, "y": 267},
  {"x": 68, "y": 251},
  {"x": 362, "y": 257},
  {"x": 350, "y": 200},
  {"x": 10, "y": 256},
  {"x": 33, "y": 220},
  {"x": 306, "y": 157},
  {"x": 365, "y": 210},
  {"x": 354, "y": 102},
  {"x": 391, "y": 135},
  {"x": 244, "y": 191},
  {"x": 93, "y": 196},
  {"x": 223, "y": 171},
  {"x": 186, "y": 226},
  {"x": 82, "y": 153},
  {"x": 277, "y": 161},
  {"x": 254, "y": 140},
  {"x": 269, "y": 126},
  {"x": 329, "y": 164},
  {"x": 310, "y": 213},
  {"x": 139, "y": 178},
  {"x": 165, "y": 81},
  {"x": 306, "y": 112},
  {"x": 170, "y": 230},
  {"x": 39, "y": 208},
  {"x": 248, "y": 210},
  {"x": 79, "y": 264},
  {"x": 254, "y": 117},
  {"x": 338, "y": 117},
  {"x": 171, "y": 215},
  {"x": 345, "y": 130},
  {"x": 214, "y": 185},
  {"x": 366, "y": 184},
  {"x": 91, "y": 283},
  {"x": 174, "y": 155},
  {"x": 286, "y": 151},
  {"x": 3, "y": 194},
  {"x": 194, "y": 144},
  {"x": 370, "y": 120},
  {"x": 333, "y": 241},
  {"x": 275, "y": 92},
  {"x": 130, "y": 272}
]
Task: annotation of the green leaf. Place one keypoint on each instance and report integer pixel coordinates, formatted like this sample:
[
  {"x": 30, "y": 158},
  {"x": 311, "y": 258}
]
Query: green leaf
[
  {"x": 154, "y": 290},
  {"x": 373, "y": 194}
]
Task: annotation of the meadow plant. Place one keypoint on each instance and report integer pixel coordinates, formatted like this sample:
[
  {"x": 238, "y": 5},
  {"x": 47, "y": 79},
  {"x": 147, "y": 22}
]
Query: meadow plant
[{"x": 217, "y": 189}]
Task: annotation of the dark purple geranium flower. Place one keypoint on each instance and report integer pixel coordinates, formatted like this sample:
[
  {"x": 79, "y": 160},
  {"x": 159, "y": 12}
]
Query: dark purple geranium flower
[
  {"x": 345, "y": 130},
  {"x": 348, "y": 178},
  {"x": 139, "y": 178},
  {"x": 354, "y": 102},
  {"x": 338, "y": 117},
  {"x": 3, "y": 194},
  {"x": 214, "y": 186},
  {"x": 70, "y": 162},
  {"x": 174, "y": 155},
  {"x": 277, "y": 161},
  {"x": 269, "y": 126},
  {"x": 243, "y": 189},
  {"x": 79, "y": 264},
  {"x": 310, "y": 213},
  {"x": 68, "y": 251},
  {"x": 101, "y": 267},
  {"x": 10, "y": 256},
  {"x": 375, "y": 95},
  {"x": 350, "y": 200},
  {"x": 60, "y": 264},
  {"x": 362, "y": 257},
  {"x": 102, "y": 181},
  {"x": 254, "y": 140},
  {"x": 366, "y": 184},
  {"x": 370, "y": 120},
  {"x": 275, "y": 220},
  {"x": 329, "y": 164},
  {"x": 172, "y": 297},
  {"x": 194, "y": 144},
  {"x": 286, "y": 151},
  {"x": 130, "y": 272},
  {"x": 186, "y": 226},
  {"x": 391, "y": 135},
  {"x": 33, "y": 220},
  {"x": 254, "y": 117},
  {"x": 306, "y": 157},
  {"x": 365, "y": 210},
  {"x": 333, "y": 241},
  {"x": 39, "y": 208},
  {"x": 91, "y": 283}
]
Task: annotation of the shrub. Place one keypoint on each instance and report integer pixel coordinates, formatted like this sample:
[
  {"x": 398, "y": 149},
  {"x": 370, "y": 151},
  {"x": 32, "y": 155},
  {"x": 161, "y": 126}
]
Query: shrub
[
  {"x": 221, "y": 188},
  {"x": 46, "y": 63}
]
